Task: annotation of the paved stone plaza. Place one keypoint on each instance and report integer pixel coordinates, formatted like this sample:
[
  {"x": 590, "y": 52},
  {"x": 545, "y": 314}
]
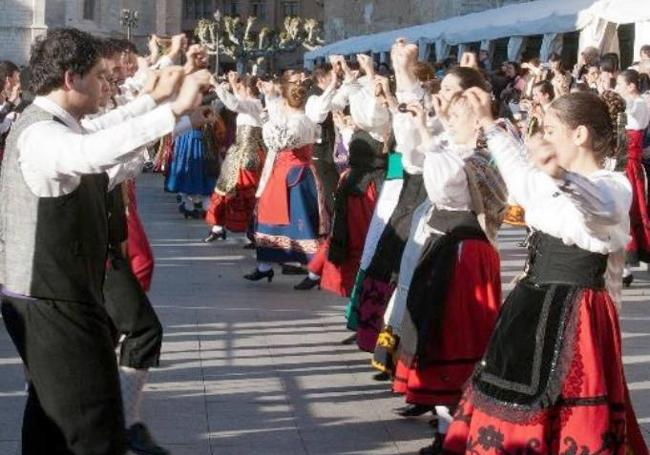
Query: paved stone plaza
[{"x": 258, "y": 368}]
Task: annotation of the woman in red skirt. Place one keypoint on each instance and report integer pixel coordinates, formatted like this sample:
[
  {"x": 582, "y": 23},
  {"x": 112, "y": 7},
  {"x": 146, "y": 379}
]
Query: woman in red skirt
[
  {"x": 551, "y": 380},
  {"x": 233, "y": 202},
  {"x": 336, "y": 264},
  {"x": 455, "y": 293},
  {"x": 638, "y": 117}
]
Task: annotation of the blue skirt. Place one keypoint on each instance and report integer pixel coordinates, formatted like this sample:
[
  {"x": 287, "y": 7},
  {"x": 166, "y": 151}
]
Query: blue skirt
[
  {"x": 297, "y": 241},
  {"x": 187, "y": 173}
]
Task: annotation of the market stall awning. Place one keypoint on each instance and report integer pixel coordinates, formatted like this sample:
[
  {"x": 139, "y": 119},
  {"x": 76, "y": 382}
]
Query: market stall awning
[{"x": 522, "y": 19}]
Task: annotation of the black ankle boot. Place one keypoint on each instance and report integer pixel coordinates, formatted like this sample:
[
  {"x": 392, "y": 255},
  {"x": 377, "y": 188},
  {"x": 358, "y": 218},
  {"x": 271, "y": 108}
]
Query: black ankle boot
[
  {"x": 627, "y": 280},
  {"x": 436, "y": 447}
]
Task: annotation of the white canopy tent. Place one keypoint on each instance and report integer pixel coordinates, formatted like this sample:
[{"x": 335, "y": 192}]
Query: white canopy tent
[{"x": 542, "y": 17}]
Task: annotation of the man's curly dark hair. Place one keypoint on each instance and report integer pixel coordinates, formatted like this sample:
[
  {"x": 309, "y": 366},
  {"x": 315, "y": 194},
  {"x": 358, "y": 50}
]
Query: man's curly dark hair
[{"x": 61, "y": 50}]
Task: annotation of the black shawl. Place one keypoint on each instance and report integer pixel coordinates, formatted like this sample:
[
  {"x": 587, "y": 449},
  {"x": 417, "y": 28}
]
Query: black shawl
[{"x": 368, "y": 164}]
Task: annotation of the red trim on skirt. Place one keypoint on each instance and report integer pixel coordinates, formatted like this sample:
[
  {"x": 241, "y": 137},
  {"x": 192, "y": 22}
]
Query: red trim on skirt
[
  {"x": 593, "y": 415},
  {"x": 471, "y": 309}
]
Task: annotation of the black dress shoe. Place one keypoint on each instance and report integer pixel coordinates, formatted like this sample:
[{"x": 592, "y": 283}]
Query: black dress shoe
[
  {"x": 293, "y": 270},
  {"x": 627, "y": 280},
  {"x": 350, "y": 340},
  {"x": 413, "y": 410},
  {"x": 140, "y": 441},
  {"x": 436, "y": 447},
  {"x": 381, "y": 376},
  {"x": 257, "y": 275},
  {"x": 214, "y": 236},
  {"x": 307, "y": 284},
  {"x": 250, "y": 246}
]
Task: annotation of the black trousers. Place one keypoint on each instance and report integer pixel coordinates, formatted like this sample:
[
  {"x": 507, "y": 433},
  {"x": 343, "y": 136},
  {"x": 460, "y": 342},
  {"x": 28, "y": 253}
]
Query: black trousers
[
  {"x": 132, "y": 316},
  {"x": 74, "y": 405}
]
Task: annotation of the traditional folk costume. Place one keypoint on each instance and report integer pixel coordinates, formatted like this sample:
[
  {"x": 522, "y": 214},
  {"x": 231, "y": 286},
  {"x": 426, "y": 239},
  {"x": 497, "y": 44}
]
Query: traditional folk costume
[
  {"x": 233, "y": 202},
  {"x": 191, "y": 173},
  {"x": 137, "y": 329},
  {"x": 455, "y": 291},
  {"x": 551, "y": 379},
  {"x": 382, "y": 272},
  {"x": 291, "y": 215},
  {"x": 638, "y": 117},
  {"x": 337, "y": 263},
  {"x": 386, "y": 203},
  {"x": 54, "y": 232}
]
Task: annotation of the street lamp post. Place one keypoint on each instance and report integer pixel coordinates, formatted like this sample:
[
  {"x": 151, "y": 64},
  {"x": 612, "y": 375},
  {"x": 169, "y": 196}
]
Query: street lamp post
[
  {"x": 129, "y": 21},
  {"x": 217, "y": 19}
]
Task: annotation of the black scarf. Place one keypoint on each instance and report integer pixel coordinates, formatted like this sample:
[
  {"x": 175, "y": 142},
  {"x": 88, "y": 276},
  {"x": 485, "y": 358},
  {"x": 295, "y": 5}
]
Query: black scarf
[
  {"x": 368, "y": 164},
  {"x": 428, "y": 290}
]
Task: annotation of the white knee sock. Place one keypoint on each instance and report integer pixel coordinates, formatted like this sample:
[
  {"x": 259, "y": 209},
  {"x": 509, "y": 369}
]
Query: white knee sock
[
  {"x": 313, "y": 276},
  {"x": 444, "y": 419},
  {"x": 626, "y": 272},
  {"x": 264, "y": 266},
  {"x": 217, "y": 229},
  {"x": 132, "y": 382}
]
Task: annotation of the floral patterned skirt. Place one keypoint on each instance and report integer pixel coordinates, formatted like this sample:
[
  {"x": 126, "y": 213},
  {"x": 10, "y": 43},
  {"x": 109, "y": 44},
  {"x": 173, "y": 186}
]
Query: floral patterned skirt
[
  {"x": 235, "y": 210},
  {"x": 593, "y": 414}
]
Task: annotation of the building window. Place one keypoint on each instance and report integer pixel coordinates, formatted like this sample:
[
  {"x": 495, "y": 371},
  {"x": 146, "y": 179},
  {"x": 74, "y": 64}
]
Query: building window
[
  {"x": 258, "y": 9},
  {"x": 197, "y": 9},
  {"x": 208, "y": 8},
  {"x": 89, "y": 10},
  {"x": 290, "y": 8},
  {"x": 233, "y": 8},
  {"x": 188, "y": 9}
]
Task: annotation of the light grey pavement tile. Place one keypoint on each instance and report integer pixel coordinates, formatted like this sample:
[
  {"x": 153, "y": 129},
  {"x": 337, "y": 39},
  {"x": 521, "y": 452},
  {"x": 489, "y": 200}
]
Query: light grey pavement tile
[{"x": 258, "y": 368}]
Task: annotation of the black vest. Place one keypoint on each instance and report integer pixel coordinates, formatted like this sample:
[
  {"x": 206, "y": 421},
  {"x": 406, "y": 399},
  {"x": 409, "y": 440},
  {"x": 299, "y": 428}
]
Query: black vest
[{"x": 51, "y": 247}]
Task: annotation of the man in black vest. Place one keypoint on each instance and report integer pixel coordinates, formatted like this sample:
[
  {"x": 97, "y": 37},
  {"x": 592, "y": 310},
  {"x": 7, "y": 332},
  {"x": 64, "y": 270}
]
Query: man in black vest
[{"x": 53, "y": 238}]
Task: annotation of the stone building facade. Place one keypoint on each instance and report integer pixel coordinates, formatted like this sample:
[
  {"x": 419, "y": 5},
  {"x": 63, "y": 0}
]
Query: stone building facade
[
  {"x": 345, "y": 18},
  {"x": 22, "y": 20}
]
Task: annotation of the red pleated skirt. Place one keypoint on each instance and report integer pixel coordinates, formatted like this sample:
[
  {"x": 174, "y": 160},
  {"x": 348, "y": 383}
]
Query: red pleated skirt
[
  {"x": 593, "y": 416},
  {"x": 235, "y": 211},
  {"x": 339, "y": 278},
  {"x": 471, "y": 310},
  {"x": 639, "y": 245}
]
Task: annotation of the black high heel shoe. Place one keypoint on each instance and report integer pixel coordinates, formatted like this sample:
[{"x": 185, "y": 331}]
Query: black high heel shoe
[
  {"x": 257, "y": 275},
  {"x": 214, "y": 236},
  {"x": 627, "y": 280},
  {"x": 412, "y": 410},
  {"x": 436, "y": 447},
  {"x": 307, "y": 284}
]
